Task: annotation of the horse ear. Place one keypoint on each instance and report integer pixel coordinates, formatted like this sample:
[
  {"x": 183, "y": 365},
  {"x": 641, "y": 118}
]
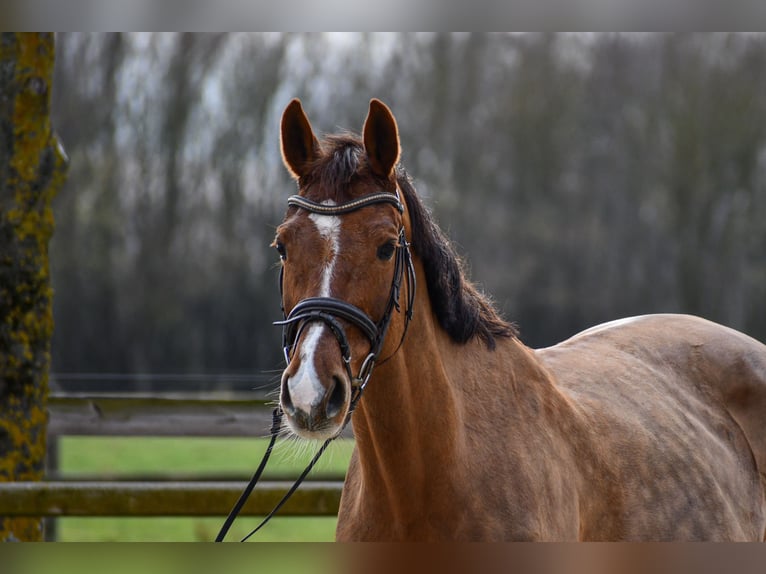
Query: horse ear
[
  {"x": 299, "y": 145},
  {"x": 381, "y": 139}
]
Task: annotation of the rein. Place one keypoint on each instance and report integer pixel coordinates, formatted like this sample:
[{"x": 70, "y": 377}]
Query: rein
[{"x": 332, "y": 312}]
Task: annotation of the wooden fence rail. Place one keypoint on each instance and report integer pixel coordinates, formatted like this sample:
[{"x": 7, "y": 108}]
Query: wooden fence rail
[
  {"x": 99, "y": 498},
  {"x": 170, "y": 414},
  {"x": 158, "y": 415}
]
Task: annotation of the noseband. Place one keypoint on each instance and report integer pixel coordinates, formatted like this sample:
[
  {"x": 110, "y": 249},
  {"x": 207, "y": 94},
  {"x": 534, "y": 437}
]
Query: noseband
[{"x": 332, "y": 311}]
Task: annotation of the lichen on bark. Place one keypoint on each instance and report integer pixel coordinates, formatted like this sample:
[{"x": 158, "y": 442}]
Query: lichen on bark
[{"x": 32, "y": 170}]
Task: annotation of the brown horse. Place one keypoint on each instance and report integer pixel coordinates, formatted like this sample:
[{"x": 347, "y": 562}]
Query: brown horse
[{"x": 649, "y": 428}]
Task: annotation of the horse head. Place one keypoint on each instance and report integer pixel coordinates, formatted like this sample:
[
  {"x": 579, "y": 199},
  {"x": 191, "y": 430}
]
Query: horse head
[{"x": 345, "y": 264}]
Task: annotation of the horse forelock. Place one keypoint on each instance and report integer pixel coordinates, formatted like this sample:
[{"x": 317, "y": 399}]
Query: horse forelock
[
  {"x": 336, "y": 173},
  {"x": 461, "y": 309}
]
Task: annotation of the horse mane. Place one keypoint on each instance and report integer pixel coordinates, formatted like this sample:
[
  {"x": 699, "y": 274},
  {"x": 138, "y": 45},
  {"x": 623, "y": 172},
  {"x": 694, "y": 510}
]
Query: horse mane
[{"x": 461, "y": 309}]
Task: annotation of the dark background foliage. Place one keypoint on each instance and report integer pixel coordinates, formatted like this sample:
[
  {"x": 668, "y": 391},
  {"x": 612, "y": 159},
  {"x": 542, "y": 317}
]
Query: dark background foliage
[{"x": 583, "y": 177}]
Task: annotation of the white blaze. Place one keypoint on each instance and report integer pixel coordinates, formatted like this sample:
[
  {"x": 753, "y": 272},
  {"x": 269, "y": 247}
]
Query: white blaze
[
  {"x": 329, "y": 228},
  {"x": 305, "y": 389}
]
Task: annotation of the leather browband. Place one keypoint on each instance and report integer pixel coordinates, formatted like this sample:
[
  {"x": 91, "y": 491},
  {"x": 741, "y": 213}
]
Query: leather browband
[{"x": 347, "y": 207}]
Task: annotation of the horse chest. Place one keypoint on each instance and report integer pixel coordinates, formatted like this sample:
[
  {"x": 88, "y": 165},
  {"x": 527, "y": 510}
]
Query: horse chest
[{"x": 489, "y": 507}]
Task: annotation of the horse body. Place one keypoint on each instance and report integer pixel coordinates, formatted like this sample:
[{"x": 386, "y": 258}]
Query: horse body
[
  {"x": 625, "y": 432},
  {"x": 666, "y": 451},
  {"x": 650, "y": 428}
]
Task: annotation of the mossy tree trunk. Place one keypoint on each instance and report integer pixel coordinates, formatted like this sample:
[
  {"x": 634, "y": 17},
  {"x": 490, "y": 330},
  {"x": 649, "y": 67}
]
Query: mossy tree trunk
[{"x": 32, "y": 169}]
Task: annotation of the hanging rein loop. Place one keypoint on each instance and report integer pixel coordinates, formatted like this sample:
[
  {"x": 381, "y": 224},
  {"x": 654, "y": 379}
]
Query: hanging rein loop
[{"x": 332, "y": 312}]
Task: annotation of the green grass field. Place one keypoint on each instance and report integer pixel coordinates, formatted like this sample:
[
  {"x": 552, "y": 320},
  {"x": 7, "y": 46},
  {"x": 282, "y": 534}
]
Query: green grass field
[
  {"x": 205, "y": 457},
  {"x": 145, "y": 558}
]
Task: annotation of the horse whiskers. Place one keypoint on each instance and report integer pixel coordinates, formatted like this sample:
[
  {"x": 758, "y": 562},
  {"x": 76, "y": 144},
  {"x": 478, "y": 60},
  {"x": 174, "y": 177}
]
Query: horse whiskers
[
  {"x": 286, "y": 434},
  {"x": 297, "y": 450}
]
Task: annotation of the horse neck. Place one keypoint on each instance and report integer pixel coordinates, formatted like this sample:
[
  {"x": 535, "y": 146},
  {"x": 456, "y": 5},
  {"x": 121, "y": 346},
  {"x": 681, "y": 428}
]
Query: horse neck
[
  {"x": 419, "y": 415},
  {"x": 408, "y": 397}
]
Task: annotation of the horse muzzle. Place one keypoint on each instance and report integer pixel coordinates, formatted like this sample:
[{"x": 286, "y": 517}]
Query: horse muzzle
[{"x": 314, "y": 408}]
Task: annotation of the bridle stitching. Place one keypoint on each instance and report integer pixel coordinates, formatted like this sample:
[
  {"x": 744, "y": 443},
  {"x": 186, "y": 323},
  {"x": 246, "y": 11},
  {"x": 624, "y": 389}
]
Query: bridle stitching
[{"x": 349, "y": 206}]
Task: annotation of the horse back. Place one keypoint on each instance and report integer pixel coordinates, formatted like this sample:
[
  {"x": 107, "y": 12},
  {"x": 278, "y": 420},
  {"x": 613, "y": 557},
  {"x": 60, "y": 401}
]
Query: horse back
[{"x": 678, "y": 391}]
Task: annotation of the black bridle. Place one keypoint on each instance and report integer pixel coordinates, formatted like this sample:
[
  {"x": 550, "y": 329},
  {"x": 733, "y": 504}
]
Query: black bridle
[
  {"x": 330, "y": 310},
  {"x": 334, "y": 313}
]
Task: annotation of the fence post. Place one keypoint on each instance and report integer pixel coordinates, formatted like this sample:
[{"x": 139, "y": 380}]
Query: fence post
[
  {"x": 32, "y": 170},
  {"x": 50, "y": 523}
]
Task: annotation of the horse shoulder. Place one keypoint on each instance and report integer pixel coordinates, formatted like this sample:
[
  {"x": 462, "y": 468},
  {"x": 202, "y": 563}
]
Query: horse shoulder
[
  {"x": 736, "y": 365},
  {"x": 636, "y": 378},
  {"x": 725, "y": 364},
  {"x": 351, "y": 526}
]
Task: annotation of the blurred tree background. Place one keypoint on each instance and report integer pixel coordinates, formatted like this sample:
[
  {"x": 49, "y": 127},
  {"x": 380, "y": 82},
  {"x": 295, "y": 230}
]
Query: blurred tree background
[{"x": 583, "y": 177}]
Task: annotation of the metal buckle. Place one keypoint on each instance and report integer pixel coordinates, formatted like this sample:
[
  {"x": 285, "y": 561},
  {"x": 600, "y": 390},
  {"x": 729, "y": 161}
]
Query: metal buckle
[{"x": 365, "y": 372}]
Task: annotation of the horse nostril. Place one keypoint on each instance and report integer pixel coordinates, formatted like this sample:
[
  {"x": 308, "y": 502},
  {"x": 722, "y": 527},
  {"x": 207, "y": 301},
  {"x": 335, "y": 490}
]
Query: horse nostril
[
  {"x": 285, "y": 400},
  {"x": 337, "y": 399}
]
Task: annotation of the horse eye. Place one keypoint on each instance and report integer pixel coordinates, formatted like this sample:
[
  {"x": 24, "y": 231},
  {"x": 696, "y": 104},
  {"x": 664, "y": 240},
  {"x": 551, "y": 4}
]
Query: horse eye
[
  {"x": 386, "y": 251},
  {"x": 280, "y": 247}
]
